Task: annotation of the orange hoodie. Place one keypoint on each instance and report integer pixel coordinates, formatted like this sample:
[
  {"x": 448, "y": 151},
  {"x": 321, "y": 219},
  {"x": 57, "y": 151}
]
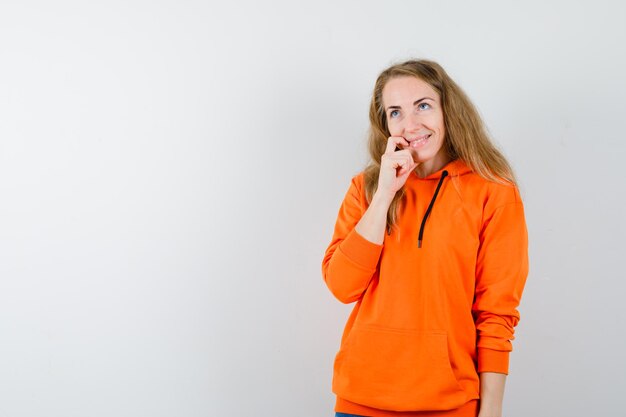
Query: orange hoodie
[{"x": 430, "y": 315}]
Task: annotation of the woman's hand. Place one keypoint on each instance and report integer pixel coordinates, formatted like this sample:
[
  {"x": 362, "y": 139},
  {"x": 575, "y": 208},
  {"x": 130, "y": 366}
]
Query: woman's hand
[{"x": 395, "y": 167}]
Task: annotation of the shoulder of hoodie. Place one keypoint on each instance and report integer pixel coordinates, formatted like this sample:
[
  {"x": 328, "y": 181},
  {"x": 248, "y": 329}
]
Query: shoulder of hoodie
[
  {"x": 494, "y": 194},
  {"x": 357, "y": 182}
]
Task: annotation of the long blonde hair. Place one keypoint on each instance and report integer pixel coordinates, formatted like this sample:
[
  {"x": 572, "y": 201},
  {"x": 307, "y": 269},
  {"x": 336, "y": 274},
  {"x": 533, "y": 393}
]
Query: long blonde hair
[{"x": 466, "y": 137}]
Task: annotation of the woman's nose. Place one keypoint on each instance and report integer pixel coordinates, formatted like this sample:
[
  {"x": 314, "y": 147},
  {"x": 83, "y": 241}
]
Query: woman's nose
[{"x": 413, "y": 121}]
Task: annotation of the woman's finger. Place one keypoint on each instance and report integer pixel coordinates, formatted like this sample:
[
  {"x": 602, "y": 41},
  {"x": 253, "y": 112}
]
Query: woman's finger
[{"x": 393, "y": 142}]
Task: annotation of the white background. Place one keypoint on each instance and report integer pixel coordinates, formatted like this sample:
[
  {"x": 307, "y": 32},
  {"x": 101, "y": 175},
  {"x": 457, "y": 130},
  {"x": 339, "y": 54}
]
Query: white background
[{"x": 171, "y": 171}]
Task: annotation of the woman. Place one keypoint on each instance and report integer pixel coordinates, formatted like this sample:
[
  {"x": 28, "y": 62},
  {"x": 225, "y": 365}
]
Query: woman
[{"x": 431, "y": 243}]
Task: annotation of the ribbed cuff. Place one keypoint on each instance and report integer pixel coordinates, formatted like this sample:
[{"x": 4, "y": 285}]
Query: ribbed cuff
[
  {"x": 360, "y": 250},
  {"x": 490, "y": 360}
]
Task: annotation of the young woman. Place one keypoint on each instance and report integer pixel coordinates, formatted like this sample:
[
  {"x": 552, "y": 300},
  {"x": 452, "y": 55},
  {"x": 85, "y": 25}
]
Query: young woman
[{"x": 431, "y": 243}]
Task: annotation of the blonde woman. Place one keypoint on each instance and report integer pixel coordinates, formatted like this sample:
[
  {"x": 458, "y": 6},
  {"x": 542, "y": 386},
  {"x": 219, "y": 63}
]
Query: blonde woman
[{"x": 431, "y": 243}]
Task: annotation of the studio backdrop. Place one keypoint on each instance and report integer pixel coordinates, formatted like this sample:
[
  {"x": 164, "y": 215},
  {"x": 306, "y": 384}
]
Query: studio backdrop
[{"x": 171, "y": 171}]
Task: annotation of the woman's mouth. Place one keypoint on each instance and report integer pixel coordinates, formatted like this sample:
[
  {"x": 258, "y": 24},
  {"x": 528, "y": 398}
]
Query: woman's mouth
[{"x": 418, "y": 143}]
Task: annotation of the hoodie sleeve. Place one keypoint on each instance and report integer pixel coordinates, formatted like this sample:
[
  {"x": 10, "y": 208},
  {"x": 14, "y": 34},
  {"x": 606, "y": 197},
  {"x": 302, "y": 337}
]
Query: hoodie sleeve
[
  {"x": 501, "y": 271},
  {"x": 350, "y": 261}
]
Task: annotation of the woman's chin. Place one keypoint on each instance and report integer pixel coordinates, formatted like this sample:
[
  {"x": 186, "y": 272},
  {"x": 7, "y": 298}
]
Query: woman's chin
[{"x": 416, "y": 157}]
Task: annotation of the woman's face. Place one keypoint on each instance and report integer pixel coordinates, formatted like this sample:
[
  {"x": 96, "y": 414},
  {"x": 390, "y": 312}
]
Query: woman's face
[{"x": 413, "y": 111}]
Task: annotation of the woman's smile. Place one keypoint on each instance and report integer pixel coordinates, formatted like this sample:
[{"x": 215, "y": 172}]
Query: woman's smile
[{"x": 418, "y": 142}]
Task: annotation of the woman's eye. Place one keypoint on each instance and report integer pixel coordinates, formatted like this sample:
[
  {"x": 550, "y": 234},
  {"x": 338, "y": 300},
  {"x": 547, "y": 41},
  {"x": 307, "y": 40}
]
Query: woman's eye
[
  {"x": 393, "y": 113},
  {"x": 423, "y": 104}
]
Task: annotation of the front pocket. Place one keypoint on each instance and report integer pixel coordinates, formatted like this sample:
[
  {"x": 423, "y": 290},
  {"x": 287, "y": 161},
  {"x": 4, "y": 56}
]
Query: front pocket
[{"x": 397, "y": 369}]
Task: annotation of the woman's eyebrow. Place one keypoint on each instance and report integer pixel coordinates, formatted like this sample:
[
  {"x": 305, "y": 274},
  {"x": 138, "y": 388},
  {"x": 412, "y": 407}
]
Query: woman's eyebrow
[{"x": 416, "y": 102}]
